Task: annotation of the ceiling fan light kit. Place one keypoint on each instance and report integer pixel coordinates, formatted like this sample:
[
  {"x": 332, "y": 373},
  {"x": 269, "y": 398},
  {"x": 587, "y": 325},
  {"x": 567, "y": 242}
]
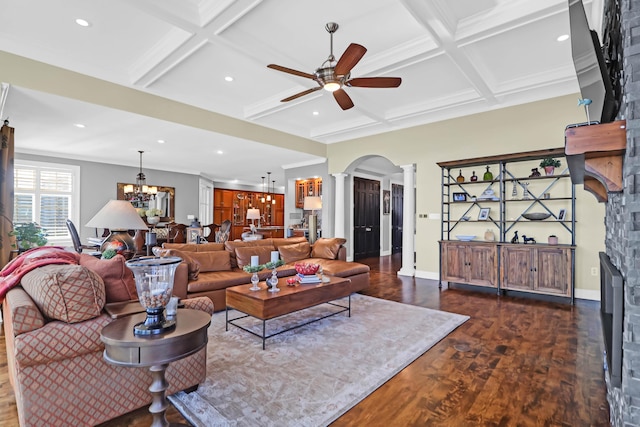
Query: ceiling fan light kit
[{"x": 332, "y": 76}]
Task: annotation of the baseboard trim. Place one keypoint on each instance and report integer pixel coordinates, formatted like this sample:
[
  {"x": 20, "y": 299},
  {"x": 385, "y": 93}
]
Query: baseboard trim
[
  {"x": 431, "y": 275},
  {"x": 589, "y": 294}
]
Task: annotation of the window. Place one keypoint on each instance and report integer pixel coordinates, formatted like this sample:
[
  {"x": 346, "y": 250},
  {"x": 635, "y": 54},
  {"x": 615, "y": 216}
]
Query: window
[{"x": 47, "y": 193}]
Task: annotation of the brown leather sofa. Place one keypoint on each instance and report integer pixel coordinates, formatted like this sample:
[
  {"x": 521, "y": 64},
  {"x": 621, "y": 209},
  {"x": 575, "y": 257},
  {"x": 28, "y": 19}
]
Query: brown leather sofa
[
  {"x": 208, "y": 269},
  {"x": 52, "y": 324}
]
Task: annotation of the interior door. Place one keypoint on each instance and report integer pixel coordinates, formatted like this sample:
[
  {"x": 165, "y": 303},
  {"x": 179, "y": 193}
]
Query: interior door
[
  {"x": 366, "y": 218},
  {"x": 397, "y": 203}
]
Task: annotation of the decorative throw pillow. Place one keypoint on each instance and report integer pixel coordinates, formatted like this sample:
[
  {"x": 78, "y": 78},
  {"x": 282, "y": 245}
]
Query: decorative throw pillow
[
  {"x": 243, "y": 255},
  {"x": 327, "y": 248},
  {"x": 119, "y": 283},
  {"x": 295, "y": 252},
  {"x": 212, "y": 260},
  {"x": 193, "y": 266},
  {"x": 231, "y": 247},
  {"x": 69, "y": 293}
]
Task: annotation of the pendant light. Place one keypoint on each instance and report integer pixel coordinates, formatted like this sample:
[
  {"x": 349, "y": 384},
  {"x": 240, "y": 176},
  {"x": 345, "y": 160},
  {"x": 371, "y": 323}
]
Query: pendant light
[
  {"x": 273, "y": 200},
  {"x": 268, "y": 186},
  {"x": 262, "y": 198},
  {"x": 141, "y": 181}
]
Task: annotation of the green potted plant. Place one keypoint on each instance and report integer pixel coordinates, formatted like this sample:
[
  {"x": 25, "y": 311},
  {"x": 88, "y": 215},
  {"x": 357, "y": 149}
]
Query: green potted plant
[
  {"x": 549, "y": 164},
  {"x": 28, "y": 235}
]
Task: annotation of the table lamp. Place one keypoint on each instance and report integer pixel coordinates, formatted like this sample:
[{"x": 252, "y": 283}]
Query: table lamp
[
  {"x": 253, "y": 214},
  {"x": 118, "y": 216},
  {"x": 312, "y": 203}
]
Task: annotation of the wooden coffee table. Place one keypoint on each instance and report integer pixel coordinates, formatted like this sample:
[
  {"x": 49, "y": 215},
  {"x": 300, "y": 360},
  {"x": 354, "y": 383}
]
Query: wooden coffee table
[{"x": 265, "y": 305}]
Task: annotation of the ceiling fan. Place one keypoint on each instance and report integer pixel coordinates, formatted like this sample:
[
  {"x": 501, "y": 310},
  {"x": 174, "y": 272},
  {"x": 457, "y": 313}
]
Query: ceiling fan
[{"x": 333, "y": 75}]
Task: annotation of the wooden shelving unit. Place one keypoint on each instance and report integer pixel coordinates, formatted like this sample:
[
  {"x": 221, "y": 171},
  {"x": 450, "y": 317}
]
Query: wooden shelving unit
[{"x": 538, "y": 268}]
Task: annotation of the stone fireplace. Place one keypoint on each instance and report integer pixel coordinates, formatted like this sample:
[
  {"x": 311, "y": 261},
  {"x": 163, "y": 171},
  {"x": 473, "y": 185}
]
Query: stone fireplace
[{"x": 622, "y": 218}]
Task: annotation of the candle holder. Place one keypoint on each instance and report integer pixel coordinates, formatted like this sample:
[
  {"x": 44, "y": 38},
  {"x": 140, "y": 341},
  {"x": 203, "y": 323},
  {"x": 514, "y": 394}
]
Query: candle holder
[{"x": 154, "y": 284}]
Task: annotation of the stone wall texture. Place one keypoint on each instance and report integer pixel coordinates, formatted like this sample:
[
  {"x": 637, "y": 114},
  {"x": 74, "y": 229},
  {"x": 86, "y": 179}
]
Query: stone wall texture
[{"x": 623, "y": 225}]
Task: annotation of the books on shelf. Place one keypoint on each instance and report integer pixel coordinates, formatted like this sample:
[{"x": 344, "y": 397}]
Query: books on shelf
[{"x": 302, "y": 278}]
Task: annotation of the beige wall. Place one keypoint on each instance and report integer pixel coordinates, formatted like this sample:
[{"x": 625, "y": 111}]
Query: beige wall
[{"x": 527, "y": 127}]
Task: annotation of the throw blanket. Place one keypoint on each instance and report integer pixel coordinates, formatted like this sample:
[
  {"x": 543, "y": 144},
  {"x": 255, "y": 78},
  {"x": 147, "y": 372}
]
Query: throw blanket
[{"x": 12, "y": 273}]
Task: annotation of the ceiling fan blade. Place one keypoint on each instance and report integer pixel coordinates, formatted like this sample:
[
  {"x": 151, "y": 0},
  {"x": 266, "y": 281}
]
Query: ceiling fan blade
[
  {"x": 303, "y": 93},
  {"x": 349, "y": 59},
  {"x": 343, "y": 99},
  {"x": 291, "y": 71},
  {"x": 375, "y": 82}
]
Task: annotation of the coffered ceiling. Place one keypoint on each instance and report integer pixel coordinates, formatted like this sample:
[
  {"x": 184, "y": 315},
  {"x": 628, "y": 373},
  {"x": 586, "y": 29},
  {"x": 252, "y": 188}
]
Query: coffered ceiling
[{"x": 455, "y": 57}]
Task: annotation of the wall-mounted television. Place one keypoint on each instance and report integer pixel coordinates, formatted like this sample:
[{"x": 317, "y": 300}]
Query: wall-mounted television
[{"x": 593, "y": 77}]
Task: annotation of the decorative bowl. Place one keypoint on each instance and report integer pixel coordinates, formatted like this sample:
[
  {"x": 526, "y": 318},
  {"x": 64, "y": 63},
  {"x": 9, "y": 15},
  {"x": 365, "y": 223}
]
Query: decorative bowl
[
  {"x": 307, "y": 269},
  {"x": 465, "y": 238},
  {"x": 536, "y": 216}
]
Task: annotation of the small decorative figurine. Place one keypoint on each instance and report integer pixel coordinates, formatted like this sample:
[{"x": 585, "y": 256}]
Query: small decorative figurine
[
  {"x": 528, "y": 239},
  {"x": 488, "y": 176},
  {"x": 515, "y": 238},
  {"x": 460, "y": 178},
  {"x": 534, "y": 172}
]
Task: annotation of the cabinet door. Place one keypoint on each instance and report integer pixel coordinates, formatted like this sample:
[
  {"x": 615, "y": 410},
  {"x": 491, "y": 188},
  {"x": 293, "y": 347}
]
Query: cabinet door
[
  {"x": 553, "y": 271},
  {"x": 517, "y": 268},
  {"x": 300, "y": 187},
  {"x": 454, "y": 262},
  {"x": 482, "y": 265},
  {"x": 318, "y": 186}
]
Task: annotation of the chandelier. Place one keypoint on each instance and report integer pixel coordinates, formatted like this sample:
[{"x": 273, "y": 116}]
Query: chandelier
[{"x": 141, "y": 191}]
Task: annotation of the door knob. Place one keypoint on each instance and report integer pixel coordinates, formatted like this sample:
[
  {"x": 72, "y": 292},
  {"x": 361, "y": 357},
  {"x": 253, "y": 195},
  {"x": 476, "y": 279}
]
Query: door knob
[{"x": 367, "y": 229}]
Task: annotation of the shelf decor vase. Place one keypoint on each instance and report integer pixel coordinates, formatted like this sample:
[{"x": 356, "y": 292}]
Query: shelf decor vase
[
  {"x": 474, "y": 177},
  {"x": 488, "y": 176},
  {"x": 460, "y": 178}
]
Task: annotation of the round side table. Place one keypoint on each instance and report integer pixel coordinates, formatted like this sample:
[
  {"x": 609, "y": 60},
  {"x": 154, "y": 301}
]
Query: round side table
[{"x": 123, "y": 348}]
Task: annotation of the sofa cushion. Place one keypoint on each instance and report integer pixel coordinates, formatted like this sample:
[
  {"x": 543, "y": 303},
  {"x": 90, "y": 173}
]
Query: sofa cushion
[
  {"x": 185, "y": 247},
  {"x": 119, "y": 283},
  {"x": 69, "y": 293},
  {"x": 213, "y": 260},
  {"x": 244, "y": 254},
  {"x": 193, "y": 266},
  {"x": 285, "y": 241},
  {"x": 327, "y": 248},
  {"x": 336, "y": 267},
  {"x": 295, "y": 252},
  {"x": 231, "y": 246},
  {"x": 208, "y": 247}
]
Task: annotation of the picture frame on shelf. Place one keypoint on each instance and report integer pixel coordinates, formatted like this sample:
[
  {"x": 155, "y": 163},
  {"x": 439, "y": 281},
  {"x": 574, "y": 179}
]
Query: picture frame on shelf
[
  {"x": 484, "y": 214},
  {"x": 459, "y": 197},
  {"x": 562, "y": 214}
]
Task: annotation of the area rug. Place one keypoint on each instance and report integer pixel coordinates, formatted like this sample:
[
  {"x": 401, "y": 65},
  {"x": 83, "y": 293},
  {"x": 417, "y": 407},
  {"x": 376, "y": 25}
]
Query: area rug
[{"x": 312, "y": 375}]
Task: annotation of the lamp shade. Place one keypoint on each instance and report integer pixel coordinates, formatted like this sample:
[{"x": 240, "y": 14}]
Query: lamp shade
[
  {"x": 117, "y": 215},
  {"x": 312, "y": 203},
  {"x": 253, "y": 213}
]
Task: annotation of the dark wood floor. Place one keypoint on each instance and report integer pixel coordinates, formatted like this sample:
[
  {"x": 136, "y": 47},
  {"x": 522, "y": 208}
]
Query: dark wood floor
[{"x": 516, "y": 362}]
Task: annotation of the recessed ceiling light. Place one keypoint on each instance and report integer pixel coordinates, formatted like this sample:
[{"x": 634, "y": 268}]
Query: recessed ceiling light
[
  {"x": 316, "y": 113},
  {"x": 563, "y": 37},
  {"x": 229, "y": 78},
  {"x": 79, "y": 125},
  {"x": 219, "y": 151},
  {"x": 161, "y": 141},
  {"x": 83, "y": 22}
]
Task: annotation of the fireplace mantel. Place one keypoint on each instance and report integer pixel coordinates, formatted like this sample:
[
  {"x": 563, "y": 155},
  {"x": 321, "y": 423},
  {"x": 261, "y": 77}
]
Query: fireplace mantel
[{"x": 594, "y": 154}]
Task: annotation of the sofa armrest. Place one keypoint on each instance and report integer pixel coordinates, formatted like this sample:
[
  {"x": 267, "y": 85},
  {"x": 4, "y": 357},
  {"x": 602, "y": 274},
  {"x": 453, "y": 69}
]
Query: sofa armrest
[
  {"x": 181, "y": 280},
  {"x": 57, "y": 341},
  {"x": 342, "y": 253},
  {"x": 199, "y": 303},
  {"x": 21, "y": 312}
]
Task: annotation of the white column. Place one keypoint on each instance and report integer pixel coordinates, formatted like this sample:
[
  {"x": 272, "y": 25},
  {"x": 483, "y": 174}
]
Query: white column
[
  {"x": 408, "y": 227},
  {"x": 338, "y": 226}
]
